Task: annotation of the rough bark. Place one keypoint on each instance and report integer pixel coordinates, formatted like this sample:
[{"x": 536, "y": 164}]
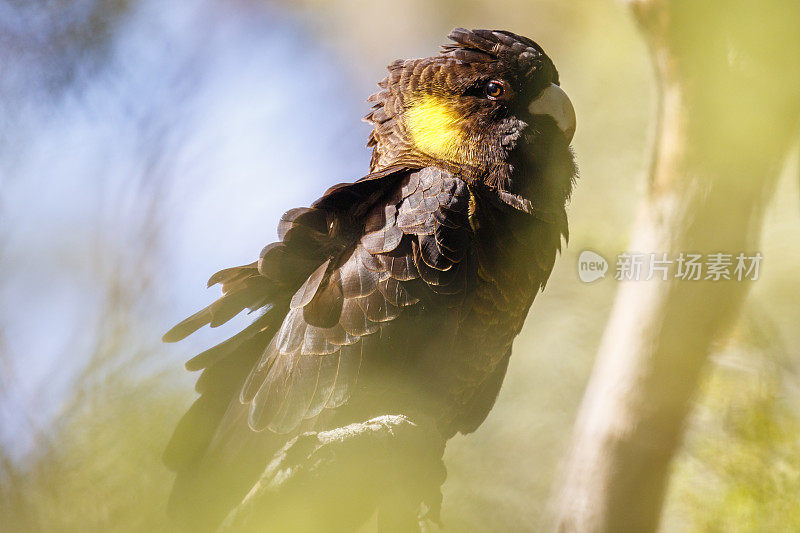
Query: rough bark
[
  {"x": 729, "y": 105},
  {"x": 335, "y": 480}
]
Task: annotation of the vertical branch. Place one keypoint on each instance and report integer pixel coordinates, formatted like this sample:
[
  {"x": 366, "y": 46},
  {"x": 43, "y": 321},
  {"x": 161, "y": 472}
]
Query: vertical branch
[{"x": 725, "y": 126}]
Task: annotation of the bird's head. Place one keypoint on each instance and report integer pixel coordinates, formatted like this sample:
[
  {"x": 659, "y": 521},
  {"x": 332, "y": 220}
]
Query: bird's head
[{"x": 488, "y": 107}]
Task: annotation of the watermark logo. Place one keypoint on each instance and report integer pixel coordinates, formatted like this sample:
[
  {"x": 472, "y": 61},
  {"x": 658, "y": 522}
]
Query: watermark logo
[
  {"x": 684, "y": 266},
  {"x": 591, "y": 266}
]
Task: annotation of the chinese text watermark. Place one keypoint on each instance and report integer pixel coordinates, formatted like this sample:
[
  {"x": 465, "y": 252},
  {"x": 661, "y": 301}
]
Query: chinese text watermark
[{"x": 661, "y": 266}]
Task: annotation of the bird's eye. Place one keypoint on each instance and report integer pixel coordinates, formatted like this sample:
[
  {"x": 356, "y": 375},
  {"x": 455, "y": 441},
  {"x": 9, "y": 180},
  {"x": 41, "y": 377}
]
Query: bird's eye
[{"x": 494, "y": 89}]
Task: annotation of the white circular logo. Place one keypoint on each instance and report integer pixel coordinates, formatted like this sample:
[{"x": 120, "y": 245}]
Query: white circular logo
[{"x": 591, "y": 266}]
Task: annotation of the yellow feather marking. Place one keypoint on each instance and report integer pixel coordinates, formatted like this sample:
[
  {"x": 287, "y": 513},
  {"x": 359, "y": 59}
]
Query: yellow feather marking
[{"x": 435, "y": 128}]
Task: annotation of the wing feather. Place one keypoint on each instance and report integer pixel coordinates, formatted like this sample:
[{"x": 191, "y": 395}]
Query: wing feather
[
  {"x": 417, "y": 234},
  {"x": 327, "y": 295}
]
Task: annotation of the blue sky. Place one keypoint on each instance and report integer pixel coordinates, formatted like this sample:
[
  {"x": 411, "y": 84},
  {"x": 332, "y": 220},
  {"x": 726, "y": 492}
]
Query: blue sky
[{"x": 226, "y": 115}]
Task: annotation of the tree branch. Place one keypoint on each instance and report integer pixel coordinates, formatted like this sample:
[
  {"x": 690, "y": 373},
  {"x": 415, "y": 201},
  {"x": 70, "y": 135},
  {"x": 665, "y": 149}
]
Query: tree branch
[
  {"x": 730, "y": 100},
  {"x": 334, "y": 480}
]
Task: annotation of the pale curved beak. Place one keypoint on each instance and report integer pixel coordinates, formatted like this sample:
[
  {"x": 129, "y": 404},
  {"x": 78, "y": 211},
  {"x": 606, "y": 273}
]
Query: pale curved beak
[{"x": 553, "y": 101}]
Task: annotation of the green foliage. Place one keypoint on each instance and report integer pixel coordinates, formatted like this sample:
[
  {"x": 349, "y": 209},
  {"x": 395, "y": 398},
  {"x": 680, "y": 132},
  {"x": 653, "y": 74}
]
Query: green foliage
[
  {"x": 739, "y": 469},
  {"x": 99, "y": 469}
]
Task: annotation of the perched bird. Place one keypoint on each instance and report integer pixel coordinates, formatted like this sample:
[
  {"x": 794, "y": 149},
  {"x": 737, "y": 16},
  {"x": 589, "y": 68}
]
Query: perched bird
[{"x": 400, "y": 293}]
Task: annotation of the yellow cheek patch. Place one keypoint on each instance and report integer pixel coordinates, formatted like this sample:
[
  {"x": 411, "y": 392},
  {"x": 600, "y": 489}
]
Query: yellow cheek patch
[{"x": 435, "y": 128}]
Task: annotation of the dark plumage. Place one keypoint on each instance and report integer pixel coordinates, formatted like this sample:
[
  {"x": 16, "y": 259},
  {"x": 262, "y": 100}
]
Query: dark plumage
[{"x": 400, "y": 293}]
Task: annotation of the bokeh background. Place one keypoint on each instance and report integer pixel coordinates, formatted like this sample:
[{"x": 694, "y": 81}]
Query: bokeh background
[{"x": 146, "y": 144}]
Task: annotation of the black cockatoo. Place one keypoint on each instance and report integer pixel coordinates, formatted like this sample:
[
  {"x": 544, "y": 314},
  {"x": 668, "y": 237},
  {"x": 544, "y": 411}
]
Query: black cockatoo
[{"x": 400, "y": 293}]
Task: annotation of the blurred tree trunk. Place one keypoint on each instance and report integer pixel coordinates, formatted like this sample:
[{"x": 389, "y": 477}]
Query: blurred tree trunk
[{"x": 729, "y": 105}]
